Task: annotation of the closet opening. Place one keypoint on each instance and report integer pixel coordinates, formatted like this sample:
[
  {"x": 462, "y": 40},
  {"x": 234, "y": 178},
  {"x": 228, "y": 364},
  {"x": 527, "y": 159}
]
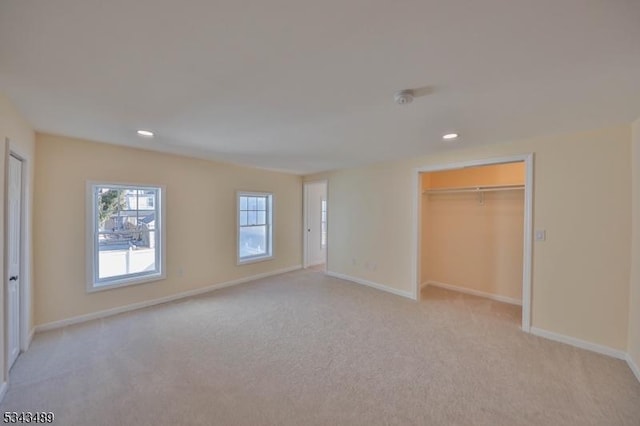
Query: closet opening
[{"x": 474, "y": 235}]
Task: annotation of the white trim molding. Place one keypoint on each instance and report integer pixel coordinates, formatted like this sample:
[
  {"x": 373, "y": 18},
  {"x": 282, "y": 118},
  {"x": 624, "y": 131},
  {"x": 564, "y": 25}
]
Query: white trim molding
[
  {"x": 633, "y": 366},
  {"x": 465, "y": 290},
  {"x": 3, "y": 390},
  {"x": 582, "y": 344},
  {"x": 377, "y": 286},
  {"x": 135, "y": 306},
  {"x": 29, "y": 339}
]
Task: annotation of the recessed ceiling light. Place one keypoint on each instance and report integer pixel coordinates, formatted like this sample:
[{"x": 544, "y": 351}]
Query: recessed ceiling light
[
  {"x": 145, "y": 133},
  {"x": 450, "y": 136}
]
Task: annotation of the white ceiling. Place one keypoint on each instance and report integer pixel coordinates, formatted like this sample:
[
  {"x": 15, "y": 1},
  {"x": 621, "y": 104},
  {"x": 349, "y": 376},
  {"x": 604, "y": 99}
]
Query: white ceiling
[{"x": 305, "y": 86}]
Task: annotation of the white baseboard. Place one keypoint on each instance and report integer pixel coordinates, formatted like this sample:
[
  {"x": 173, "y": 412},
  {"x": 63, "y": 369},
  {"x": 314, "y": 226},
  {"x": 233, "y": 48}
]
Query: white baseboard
[
  {"x": 582, "y": 344},
  {"x": 3, "y": 390},
  {"x": 633, "y": 366},
  {"x": 30, "y": 338},
  {"x": 115, "y": 311},
  {"x": 377, "y": 286},
  {"x": 472, "y": 292}
]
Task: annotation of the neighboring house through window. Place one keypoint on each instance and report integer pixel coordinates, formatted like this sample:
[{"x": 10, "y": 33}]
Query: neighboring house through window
[
  {"x": 125, "y": 235},
  {"x": 255, "y": 226}
]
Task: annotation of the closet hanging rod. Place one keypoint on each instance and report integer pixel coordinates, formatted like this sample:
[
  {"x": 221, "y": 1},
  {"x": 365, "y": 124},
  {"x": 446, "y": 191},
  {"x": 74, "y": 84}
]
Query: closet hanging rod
[{"x": 474, "y": 189}]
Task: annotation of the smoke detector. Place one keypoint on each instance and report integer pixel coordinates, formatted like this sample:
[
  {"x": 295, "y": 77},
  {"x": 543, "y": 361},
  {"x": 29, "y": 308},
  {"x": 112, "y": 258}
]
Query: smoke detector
[{"x": 403, "y": 97}]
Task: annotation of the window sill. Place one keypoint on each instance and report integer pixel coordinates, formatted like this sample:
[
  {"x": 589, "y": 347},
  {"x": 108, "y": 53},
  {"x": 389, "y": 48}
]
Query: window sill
[
  {"x": 254, "y": 260},
  {"x": 92, "y": 287}
]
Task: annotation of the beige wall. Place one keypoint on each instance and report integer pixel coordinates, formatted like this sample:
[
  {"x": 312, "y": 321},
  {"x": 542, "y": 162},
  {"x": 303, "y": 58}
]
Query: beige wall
[
  {"x": 581, "y": 197},
  {"x": 21, "y": 141},
  {"x": 634, "y": 296},
  {"x": 470, "y": 244},
  {"x": 200, "y": 222}
]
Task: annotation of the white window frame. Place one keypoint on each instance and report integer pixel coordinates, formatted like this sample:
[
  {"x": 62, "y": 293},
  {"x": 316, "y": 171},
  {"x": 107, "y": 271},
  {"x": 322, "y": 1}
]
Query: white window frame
[
  {"x": 270, "y": 227},
  {"x": 94, "y": 284}
]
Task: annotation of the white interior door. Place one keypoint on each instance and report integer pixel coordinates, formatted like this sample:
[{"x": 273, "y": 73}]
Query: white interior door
[
  {"x": 13, "y": 256},
  {"x": 315, "y": 223}
]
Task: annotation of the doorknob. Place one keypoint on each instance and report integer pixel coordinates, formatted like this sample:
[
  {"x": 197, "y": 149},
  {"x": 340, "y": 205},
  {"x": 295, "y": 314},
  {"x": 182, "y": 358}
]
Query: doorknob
[{"x": 13, "y": 278}]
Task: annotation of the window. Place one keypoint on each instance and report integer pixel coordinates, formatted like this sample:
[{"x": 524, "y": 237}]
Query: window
[
  {"x": 254, "y": 227},
  {"x": 125, "y": 235},
  {"x": 323, "y": 223}
]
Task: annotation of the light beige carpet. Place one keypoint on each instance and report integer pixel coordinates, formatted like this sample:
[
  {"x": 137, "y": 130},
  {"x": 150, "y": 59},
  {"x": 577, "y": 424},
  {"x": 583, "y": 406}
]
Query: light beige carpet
[
  {"x": 317, "y": 268},
  {"x": 305, "y": 349}
]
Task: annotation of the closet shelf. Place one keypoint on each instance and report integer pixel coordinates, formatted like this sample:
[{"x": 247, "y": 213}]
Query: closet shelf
[{"x": 486, "y": 188}]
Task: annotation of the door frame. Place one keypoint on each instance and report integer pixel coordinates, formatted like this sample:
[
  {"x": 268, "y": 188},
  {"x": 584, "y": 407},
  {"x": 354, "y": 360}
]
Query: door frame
[
  {"x": 25, "y": 333},
  {"x": 527, "y": 260},
  {"x": 305, "y": 237}
]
